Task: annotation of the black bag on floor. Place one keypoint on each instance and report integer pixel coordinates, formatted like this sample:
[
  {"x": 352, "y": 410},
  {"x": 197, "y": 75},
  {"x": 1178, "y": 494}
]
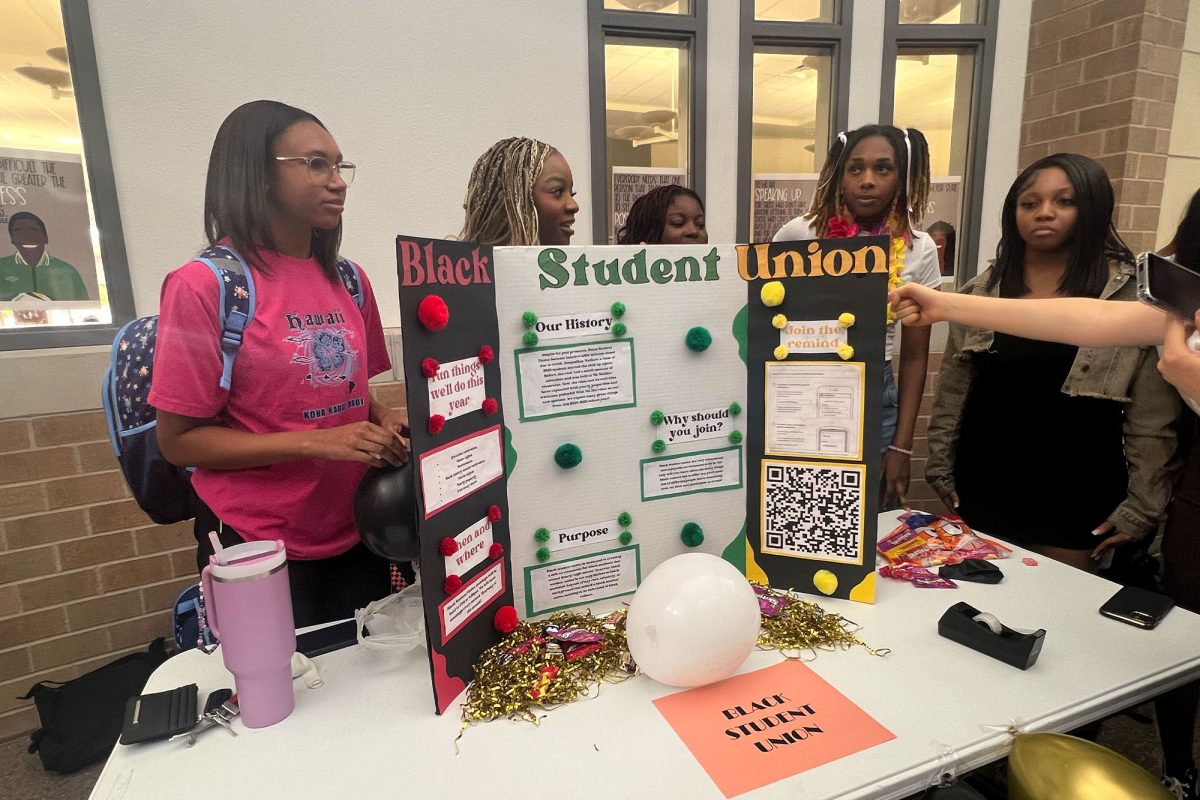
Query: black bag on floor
[{"x": 82, "y": 718}]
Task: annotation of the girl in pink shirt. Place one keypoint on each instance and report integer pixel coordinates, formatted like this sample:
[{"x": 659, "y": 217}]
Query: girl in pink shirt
[{"x": 280, "y": 454}]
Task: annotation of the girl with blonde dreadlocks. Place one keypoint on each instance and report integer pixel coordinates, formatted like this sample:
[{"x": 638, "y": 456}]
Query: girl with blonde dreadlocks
[
  {"x": 875, "y": 182},
  {"x": 521, "y": 192}
]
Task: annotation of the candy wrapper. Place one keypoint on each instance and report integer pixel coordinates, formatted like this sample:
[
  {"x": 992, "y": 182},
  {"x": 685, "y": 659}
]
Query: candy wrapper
[
  {"x": 917, "y": 576},
  {"x": 929, "y": 540}
]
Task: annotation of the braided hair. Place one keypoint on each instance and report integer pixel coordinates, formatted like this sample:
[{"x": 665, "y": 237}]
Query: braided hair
[
  {"x": 912, "y": 192},
  {"x": 648, "y": 214},
  {"x": 499, "y": 204}
]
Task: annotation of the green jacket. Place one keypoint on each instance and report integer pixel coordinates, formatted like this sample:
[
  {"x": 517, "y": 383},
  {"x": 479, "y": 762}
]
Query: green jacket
[
  {"x": 54, "y": 278},
  {"x": 1126, "y": 374}
]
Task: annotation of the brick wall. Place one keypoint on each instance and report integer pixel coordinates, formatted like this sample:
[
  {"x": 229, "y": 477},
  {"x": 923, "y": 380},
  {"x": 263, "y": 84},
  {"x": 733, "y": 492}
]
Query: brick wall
[
  {"x": 1102, "y": 79},
  {"x": 85, "y": 576}
]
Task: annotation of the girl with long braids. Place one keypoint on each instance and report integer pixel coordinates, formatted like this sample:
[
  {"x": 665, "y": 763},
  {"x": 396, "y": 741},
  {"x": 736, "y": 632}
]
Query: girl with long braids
[
  {"x": 875, "y": 182},
  {"x": 671, "y": 214},
  {"x": 521, "y": 192}
]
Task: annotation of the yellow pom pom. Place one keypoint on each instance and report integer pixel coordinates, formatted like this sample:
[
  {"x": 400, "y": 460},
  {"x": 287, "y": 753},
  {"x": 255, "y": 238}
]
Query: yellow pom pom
[
  {"x": 846, "y": 319},
  {"x": 825, "y": 581},
  {"x": 896, "y": 282},
  {"x": 845, "y": 352},
  {"x": 772, "y": 294},
  {"x": 779, "y": 321},
  {"x": 781, "y": 352}
]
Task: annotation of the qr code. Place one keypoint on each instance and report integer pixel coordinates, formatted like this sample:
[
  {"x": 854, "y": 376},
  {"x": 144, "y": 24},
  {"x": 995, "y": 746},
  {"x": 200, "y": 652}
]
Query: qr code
[{"x": 813, "y": 511}]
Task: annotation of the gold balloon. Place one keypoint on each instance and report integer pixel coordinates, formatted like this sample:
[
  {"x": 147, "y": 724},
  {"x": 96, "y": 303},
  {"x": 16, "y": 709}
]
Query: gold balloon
[{"x": 1053, "y": 766}]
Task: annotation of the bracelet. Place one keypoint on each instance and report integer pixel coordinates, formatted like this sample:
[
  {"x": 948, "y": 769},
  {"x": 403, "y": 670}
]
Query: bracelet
[{"x": 899, "y": 449}]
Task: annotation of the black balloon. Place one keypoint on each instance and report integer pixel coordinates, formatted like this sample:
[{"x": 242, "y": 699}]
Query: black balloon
[{"x": 385, "y": 511}]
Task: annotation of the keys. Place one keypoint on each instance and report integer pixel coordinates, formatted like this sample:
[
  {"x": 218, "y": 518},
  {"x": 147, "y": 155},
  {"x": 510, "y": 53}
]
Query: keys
[{"x": 219, "y": 711}]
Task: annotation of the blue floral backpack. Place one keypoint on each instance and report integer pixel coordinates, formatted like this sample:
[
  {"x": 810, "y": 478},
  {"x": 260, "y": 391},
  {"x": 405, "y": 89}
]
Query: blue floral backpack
[{"x": 163, "y": 490}]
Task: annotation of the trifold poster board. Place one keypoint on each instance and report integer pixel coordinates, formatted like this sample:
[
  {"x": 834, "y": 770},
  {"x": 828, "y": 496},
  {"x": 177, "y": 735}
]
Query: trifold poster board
[{"x": 650, "y": 403}]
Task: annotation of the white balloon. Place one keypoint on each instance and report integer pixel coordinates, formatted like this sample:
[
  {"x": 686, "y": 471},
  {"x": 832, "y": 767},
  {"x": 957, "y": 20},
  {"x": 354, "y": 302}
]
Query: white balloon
[{"x": 693, "y": 621}]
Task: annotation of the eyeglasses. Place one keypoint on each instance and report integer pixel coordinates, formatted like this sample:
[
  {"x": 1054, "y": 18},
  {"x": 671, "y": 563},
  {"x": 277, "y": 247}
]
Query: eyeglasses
[{"x": 320, "y": 168}]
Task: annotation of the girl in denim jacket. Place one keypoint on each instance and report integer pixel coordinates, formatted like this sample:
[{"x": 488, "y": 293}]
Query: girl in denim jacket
[{"x": 1067, "y": 451}]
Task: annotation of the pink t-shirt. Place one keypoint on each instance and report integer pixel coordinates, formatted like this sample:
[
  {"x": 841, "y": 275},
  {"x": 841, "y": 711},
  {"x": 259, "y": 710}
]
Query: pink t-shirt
[{"x": 303, "y": 364}]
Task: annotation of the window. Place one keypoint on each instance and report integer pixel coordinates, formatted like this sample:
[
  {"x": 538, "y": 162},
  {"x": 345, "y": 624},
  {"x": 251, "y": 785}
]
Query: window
[
  {"x": 63, "y": 275},
  {"x": 792, "y": 102},
  {"x": 938, "y": 57},
  {"x": 650, "y": 56}
]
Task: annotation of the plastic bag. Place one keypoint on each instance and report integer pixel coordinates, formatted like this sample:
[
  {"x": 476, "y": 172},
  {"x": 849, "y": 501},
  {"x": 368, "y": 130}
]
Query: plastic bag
[
  {"x": 396, "y": 622},
  {"x": 928, "y": 540}
]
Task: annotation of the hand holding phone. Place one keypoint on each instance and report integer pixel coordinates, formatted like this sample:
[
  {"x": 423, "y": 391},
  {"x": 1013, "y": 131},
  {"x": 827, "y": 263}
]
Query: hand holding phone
[{"x": 1174, "y": 288}]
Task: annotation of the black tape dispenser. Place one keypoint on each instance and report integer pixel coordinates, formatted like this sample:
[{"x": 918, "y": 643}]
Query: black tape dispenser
[{"x": 981, "y": 631}]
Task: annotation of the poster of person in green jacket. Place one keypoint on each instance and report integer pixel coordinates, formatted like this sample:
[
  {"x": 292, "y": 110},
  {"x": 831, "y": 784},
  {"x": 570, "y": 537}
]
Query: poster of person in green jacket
[{"x": 31, "y": 270}]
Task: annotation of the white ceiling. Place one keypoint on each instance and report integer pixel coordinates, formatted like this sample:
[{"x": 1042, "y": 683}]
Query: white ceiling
[{"x": 29, "y": 116}]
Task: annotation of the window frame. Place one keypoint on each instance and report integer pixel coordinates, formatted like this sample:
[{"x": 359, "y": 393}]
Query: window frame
[
  {"x": 832, "y": 36},
  {"x": 980, "y": 39},
  {"x": 691, "y": 30},
  {"x": 77, "y": 26}
]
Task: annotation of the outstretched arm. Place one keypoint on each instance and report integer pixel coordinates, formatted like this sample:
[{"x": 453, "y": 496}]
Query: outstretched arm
[{"x": 1080, "y": 321}]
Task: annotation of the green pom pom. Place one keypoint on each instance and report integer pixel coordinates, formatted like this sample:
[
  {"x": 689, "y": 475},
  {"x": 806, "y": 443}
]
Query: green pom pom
[
  {"x": 529, "y": 319},
  {"x": 543, "y": 554},
  {"x": 542, "y": 535},
  {"x": 618, "y": 329},
  {"x": 735, "y": 409},
  {"x": 692, "y": 534},
  {"x": 617, "y": 310},
  {"x": 735, "y": 437},
  {"x": 624, "y": 519},
  {"x": 658, "y": 446},
  {"x": 530, "y": 339},
  {"x": 698, "y": 339},
  {"x": 656, "y": 417},
  {"x": 626, "y": 537},
  {"x": 568, "y": 455}
]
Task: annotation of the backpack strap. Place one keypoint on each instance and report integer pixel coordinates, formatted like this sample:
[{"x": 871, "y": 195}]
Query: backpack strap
[
  {"x": 236, "y": 285},
  {"x": 348, "y": 273}
]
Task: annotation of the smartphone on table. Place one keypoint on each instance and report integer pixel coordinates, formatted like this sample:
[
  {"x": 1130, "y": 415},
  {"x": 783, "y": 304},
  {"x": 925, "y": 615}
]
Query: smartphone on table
[{"x": 1138, "y": 607}]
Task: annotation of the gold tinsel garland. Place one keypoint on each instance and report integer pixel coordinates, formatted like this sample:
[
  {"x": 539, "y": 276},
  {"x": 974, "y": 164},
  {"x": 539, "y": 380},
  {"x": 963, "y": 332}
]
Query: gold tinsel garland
[
  {"x": 794, "y": 627},
  {"x": 529, "y": 670}
]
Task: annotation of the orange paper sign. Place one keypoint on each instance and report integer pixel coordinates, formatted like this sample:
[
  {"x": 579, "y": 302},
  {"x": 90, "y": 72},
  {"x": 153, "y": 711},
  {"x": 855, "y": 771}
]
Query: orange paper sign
[{"x": 754, "y": 729}]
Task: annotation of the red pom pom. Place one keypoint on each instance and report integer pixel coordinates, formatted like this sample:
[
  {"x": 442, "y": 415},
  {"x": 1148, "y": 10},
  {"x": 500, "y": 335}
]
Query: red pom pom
[
  {"x": 490, "y": 406},
  {"x": 433, "y": 312},
  {"x": 494, "y": 513},
  {"x": 436, "y": 423},
  {"x": 452, "y": 584},
  {"x": 496, "y": 550},
  {"x": 448, "y": 546},
  {"x": 506, "y": 619},
  {"x": 429, "y": 367},
  {"x": 486, "y": 354}
]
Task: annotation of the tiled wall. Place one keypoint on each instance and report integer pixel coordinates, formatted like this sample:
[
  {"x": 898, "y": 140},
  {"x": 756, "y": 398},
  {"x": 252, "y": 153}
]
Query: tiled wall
[{"x": 85, "y": 576}]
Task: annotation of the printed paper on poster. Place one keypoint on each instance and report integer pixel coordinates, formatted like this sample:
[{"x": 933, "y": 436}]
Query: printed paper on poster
[
  {"x": 460, "y": 468},
  {"x": 582, "y": 579},
  {"x": 691, "y": 426},
  {"x": 812, "y": 336},
  {"x": 705, "y": 471},
  {"x": 815, "y": 409},
  {"x": 457, "y": 388},
  {"x": 574, "y": 379},
  {"x": 473, "y": 544},
  {"x": 474, "y": 596}
]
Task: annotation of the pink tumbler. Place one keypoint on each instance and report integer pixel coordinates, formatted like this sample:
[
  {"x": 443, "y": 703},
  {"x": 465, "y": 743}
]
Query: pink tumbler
[{"x": 249, "y": 606}]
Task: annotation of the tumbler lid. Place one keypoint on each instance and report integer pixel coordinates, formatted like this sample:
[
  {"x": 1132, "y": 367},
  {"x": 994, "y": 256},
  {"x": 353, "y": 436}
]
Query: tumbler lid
[{"x": 248, "y": 560}]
